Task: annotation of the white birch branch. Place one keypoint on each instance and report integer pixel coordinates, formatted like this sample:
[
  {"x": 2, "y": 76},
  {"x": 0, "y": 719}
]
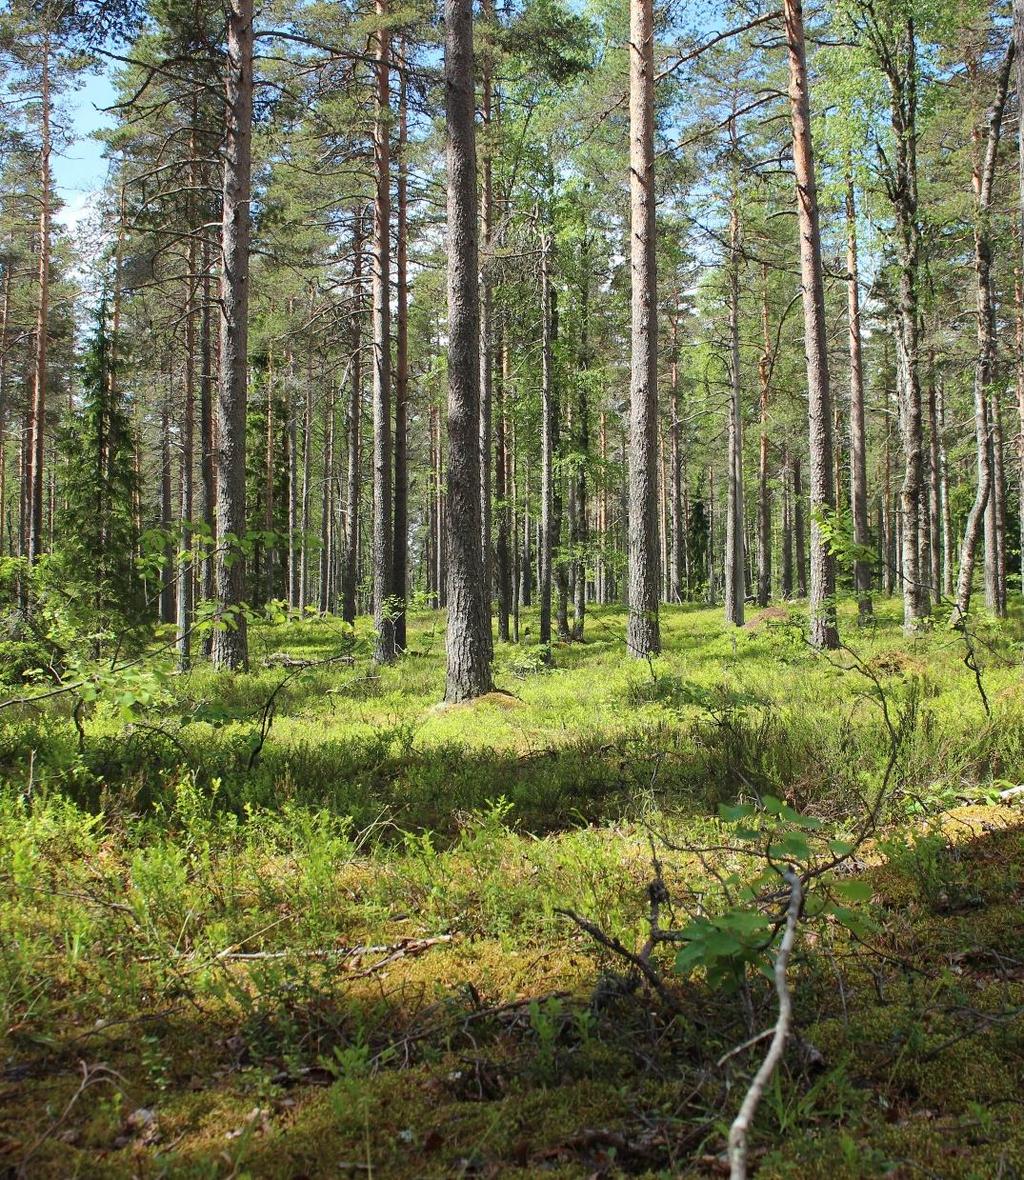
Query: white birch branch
[{"x": 741, "y": 1124}]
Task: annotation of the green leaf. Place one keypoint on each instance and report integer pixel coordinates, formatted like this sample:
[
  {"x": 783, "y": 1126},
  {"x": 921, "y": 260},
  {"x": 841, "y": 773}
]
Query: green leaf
[
  {"x": 814, "y": 905},
  {"x": 853, "y": 920},
  {"x": 733, "y": 812},
  {"x": 793, "y": 846},
  {"x": 745, "y": 921},
  {"x": 802, "y": 821}
]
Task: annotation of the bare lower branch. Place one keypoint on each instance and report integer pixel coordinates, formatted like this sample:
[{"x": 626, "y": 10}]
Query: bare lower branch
[{"x": 741, "y": 1124}]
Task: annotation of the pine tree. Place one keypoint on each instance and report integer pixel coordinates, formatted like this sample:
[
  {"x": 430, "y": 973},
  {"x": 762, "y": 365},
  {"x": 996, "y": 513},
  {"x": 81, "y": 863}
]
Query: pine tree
[{"x": 97, "y": 528}]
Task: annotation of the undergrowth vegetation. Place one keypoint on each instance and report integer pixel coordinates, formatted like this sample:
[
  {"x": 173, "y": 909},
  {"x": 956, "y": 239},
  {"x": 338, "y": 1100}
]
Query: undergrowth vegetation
[{"x": 306, "y": 921}]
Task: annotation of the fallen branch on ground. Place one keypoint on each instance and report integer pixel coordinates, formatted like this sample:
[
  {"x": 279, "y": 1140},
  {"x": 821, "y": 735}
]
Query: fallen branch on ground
[
  {"x": 406, "y": 949},
  {"x": 639, "y": 962},
  {"x": 281, "y": 659}
]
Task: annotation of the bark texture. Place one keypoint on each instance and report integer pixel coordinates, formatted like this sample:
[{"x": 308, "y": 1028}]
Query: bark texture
[
  {"x": 824, "y": 631},
  {"x": 734, "y": 565},
  {"x": 382, "y": 524},
  {"x": 400, "y": 547},
  {"x": 643, "y": 636},
  {"x": 350, "y": 568},
  {"x": 37, "y": 409},
  {"x": 230, "y": 644},
  {"x": 467, "y": 638},
  {"x": 983, "y": 370},
  {"x": 858, "y": 435}
]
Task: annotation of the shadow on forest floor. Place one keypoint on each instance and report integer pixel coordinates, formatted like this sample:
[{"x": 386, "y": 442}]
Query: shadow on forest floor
[{"x": 481, "y": 1058}]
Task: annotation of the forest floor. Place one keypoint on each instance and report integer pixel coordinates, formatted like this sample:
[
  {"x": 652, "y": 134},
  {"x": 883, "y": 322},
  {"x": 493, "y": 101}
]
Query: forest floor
[{"x": 305, "y": 922}]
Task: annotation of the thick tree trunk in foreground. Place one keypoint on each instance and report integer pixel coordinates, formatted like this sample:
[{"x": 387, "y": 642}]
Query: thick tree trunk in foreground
[
  {"x": 1018, "y": 46},
  {"x": 824, "y": 632},
  {"x": 382, "y": 525},
  {"x": 230, "y": 644},
  {"x": 467, "y": 641},
  {"x": 643, "y": 636},
  {"x": 986, "y": 343},
  {"x": 1018, "y": 287}
]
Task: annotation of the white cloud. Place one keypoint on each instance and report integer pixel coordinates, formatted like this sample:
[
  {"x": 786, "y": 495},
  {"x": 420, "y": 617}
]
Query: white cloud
[{"x": 77, "y": 207}]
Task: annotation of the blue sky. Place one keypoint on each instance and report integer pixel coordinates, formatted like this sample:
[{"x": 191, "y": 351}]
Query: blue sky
[{"x": 79, "y": 167}]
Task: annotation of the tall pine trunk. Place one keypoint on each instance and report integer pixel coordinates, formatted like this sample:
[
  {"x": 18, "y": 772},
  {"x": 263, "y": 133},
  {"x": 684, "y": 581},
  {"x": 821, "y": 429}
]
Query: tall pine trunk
[
  {"x": 858, "y": 434},
  {"x": 167, "y": 569},
  {"x": 208, "y": 456},
  {"x": 184, "y": 566},
  {"x": 548, "y": 429},
  {"x": 486, "y": 310},
  {"x": 734, "y": 566},
  {"x": 579, "y": 473},
  {"x": 644, "y": 638},
  {"x": 984, "y": 362},
  {"x": 945, "y": 508},
  {"x": 382, "y": 522},
  {"x": 326, "y": 504},
  {"x": 350, "y": 569},
  {"x": 467, "y": 638},
  {"x": 787, "y": 530},
  {"x": 822, "y": 606},
  {"x": 502, "y": 477},
  {"x": 678, "y": 588},
  {"x": 934, "y": 489},
  {"x": 230, "y": 643},
  {"x": 37, "y": 413},
  {"x": 902, "y": 74},
  {"x": 400, "y": 544},
  {"x": 1018, "y": 44},
  {"x": 764, "y": 506},
  {"x": 5, "y": 315}
]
